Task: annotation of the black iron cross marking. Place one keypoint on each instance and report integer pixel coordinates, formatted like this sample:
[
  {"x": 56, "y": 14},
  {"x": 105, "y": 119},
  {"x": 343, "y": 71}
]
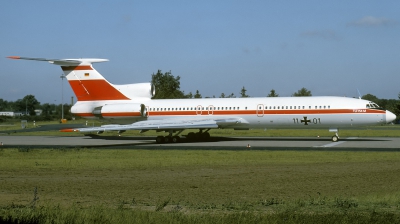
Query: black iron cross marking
[{"x": 305, "y": 121}]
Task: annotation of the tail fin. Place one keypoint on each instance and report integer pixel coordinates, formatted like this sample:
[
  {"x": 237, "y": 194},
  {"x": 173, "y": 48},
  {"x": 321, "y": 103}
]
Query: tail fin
[{"x": 85, "y": 81}]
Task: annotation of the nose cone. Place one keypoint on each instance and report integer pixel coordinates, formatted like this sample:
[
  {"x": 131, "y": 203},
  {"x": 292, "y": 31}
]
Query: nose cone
[{"x": 390, "y": 116}]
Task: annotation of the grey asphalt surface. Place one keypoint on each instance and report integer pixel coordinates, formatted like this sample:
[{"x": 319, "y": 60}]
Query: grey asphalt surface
[{"x": 215, "y": 143}]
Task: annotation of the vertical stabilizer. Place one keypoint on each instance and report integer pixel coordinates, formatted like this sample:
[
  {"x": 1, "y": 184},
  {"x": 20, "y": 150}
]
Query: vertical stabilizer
[
  {"x": 89, "y": 85},
  {"x": 85, "y": 81}
]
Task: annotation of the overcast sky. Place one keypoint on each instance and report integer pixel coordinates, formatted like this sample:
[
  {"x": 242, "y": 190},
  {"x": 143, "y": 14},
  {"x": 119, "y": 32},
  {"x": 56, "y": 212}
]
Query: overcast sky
[{"x": 331, "y": 48}]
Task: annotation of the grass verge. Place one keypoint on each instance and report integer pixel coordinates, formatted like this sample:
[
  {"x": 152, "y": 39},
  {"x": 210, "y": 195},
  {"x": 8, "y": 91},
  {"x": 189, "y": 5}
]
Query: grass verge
[{"x": 198, "y": 186}]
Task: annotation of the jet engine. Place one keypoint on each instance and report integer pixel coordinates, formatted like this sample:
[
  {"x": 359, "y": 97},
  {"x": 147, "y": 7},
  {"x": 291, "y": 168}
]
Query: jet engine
[{"x": 118, "y": 111}]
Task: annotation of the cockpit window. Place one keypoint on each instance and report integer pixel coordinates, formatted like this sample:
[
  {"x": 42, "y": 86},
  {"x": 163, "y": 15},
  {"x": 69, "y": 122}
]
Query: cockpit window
[{"x": 372, "y": 105}]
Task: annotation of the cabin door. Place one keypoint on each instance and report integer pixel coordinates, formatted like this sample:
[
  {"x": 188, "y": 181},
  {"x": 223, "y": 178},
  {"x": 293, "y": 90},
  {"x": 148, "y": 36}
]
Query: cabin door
[{"x": 260, "y": 110}]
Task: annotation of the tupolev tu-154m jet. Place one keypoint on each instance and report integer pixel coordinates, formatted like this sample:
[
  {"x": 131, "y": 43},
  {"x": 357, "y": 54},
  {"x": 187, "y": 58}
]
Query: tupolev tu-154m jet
[{"x": 130, "y": 106}]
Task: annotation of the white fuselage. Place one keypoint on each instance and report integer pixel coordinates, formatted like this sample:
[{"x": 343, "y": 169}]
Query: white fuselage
[{"x": 263, "y": 112}]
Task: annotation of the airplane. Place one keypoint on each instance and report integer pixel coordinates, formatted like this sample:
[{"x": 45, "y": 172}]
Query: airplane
[{"x": 131, "y": 107}]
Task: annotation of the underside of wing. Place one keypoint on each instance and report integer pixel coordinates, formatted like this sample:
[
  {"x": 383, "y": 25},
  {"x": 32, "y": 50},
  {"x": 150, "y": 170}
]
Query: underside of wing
[{"x": 160, "y": 125}]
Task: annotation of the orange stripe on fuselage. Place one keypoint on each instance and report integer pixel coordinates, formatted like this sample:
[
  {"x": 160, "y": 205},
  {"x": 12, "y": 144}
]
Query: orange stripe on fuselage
[
  {"x": 122, "y": 114},
  {"x": 91, "y": 90},
  {"x": 237, "y": 113}
]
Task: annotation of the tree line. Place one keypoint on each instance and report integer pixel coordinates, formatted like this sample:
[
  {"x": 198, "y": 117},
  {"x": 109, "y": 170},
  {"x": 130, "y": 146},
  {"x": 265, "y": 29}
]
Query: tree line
[
  {"x": 167, "y": 87},
  {"x": 29, "y": 104}
]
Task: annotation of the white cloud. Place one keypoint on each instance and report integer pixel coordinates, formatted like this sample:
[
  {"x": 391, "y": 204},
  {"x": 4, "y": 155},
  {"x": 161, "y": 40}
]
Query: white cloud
[{"x": 372, "y": 21}]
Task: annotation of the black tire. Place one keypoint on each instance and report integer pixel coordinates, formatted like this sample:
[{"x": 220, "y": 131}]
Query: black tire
[
  {"x": 175, "y": 139},
  {"x": 160, "y": 139},
  {"x": 205, "y": 135},
  {"x": 191, "y": 136},
  {"x": 167, "y": 139},
  {"x": 335, "y": 138}
]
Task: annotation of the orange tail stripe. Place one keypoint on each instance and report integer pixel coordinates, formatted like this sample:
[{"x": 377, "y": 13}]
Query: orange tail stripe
[
  {"x": 88, "y": 90},
  {"x": 74, "y": 68}
]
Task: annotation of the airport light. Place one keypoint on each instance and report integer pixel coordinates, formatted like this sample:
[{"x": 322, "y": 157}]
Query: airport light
[{"x": 62, "y": 96}]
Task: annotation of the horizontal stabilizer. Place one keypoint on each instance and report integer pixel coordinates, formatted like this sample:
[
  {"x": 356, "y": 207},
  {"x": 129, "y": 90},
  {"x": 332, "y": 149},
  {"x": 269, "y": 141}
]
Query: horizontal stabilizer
[{"x": 64, "y": 62}]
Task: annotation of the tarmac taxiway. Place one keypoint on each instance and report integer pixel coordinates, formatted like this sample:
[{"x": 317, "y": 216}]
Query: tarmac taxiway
[{"x": 216, "y": 143}]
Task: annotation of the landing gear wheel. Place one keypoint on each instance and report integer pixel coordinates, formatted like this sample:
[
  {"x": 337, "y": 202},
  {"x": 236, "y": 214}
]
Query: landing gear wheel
[
  {"x": 335, "y": 138},
  {"x": 198, "y": 136},
  {"x": 160, "y": 139},
  {"x": 175, "y": 139},
  {"x": 167, "y": 139},
  {"x": 191, "y": 136},
  {"x": 205, "y": 135}
]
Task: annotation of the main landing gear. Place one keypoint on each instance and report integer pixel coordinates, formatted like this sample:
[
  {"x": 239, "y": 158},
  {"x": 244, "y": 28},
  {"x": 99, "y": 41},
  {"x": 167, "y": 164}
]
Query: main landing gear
[
  {"x": 168, "y": 139},
  {"x": 191, "y": 136}
]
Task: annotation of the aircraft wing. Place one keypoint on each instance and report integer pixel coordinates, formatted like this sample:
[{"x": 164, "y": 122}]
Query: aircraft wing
[{"x": 170, "y": 124}]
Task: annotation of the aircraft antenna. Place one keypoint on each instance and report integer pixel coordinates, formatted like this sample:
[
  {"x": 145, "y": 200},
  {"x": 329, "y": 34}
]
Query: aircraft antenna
[{"x": 359, "y": 94}]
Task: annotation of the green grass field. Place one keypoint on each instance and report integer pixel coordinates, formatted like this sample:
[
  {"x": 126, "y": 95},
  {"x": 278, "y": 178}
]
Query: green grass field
[
  {"x": 201, "y": 186},
  {"x": 198, "y": 186}
]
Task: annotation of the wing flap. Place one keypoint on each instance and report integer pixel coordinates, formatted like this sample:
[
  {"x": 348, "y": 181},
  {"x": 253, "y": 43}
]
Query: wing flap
[{"x": 175, "y": 124}]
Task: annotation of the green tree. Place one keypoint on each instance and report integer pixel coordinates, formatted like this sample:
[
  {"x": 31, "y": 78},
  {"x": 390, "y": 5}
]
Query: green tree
[
  {"x": 272, "y": 93},
  {"x": 370, "y": 97},
  {"x": 189, "y": 95},
  {"x": 243, "y": 92},
  {"x": 231, "y": 96},
  {"x": 222, "y": 95},
  {"x": 302, "y": 92},
  {"x": 28, "y": 104},
  {"x": 166, "y": 85},
  {"x": 3, "y": 105},
  {"x": 197, "y": 95},
  {"x": 46, "y": 109}
]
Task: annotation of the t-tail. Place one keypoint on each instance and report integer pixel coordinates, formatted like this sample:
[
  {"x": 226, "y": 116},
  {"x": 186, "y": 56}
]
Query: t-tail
[{"x": 90, "y": 85}]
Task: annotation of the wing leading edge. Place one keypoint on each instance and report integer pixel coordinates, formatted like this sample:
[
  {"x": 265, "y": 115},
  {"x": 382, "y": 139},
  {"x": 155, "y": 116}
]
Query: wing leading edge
[{"x": 172, "y": 124}]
